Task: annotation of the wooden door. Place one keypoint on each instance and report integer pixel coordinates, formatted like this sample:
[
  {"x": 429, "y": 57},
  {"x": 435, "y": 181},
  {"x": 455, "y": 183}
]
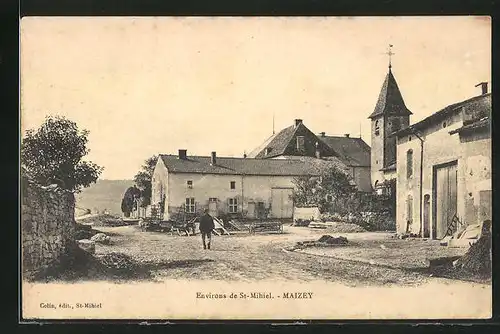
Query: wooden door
[
  {"x": 445, "y": 198},
  {"x": 251, "y": 210},
  {"x": 212, "y": 208},
  {"x": 282, "y": 204}
]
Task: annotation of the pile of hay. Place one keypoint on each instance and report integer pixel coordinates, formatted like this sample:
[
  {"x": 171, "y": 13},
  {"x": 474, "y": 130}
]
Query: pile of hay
[
  {"x": 477, "y": 260},
  {"x": 324, "y": 241}
]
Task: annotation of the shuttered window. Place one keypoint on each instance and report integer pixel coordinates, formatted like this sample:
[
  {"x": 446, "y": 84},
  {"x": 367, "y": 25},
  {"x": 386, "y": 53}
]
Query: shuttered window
[
  {"x": 233, "y": 205},
  {"x": 409, "y": 163},
  {"x": 190, "y": 205}
]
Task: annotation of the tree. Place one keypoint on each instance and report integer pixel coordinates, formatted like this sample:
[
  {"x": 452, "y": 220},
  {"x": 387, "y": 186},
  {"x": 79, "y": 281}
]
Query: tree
[
  {"x": 129, "y": 199},
  {"x": 53, "y": 154},
  {"x": 333, "y": 189},
  {"x": 143, "y": 179}
]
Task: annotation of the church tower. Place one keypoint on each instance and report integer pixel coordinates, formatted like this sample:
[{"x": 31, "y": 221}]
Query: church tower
[{"x": 389, "y": 116}]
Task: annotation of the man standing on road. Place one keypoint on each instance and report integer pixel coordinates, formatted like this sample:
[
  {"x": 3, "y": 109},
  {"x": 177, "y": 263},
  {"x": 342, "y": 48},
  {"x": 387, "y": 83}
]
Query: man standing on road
[{"x": 206, "y": 227}]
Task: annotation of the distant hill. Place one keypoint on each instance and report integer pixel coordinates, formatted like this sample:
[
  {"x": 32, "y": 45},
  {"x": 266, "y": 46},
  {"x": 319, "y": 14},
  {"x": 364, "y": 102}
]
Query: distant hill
[{"x": 103, "y": 195}]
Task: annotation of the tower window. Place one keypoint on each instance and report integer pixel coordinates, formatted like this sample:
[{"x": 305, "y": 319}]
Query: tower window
[
  {"x": 396, "y": 125},
  {"x": 377, "y": 128}
]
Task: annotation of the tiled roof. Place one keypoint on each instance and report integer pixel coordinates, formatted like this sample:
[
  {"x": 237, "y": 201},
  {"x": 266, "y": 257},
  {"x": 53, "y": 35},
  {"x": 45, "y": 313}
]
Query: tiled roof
[
  {"x": 353, "y": 151},
  {"x": 261, "y": 147},
  {"x": 390, "y": 101},
  {"x": 479, "y": 124},
  {"x": 248, "y": 166},
  {"x": 482, "y": 101},
  {"x": 277, "y": 143},
  {"x": 283, "y": 143}
]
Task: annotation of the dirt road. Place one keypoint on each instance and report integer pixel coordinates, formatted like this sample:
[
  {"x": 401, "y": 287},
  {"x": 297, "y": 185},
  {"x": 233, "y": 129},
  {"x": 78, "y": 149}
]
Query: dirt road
[{"x": 250, "y": 258}]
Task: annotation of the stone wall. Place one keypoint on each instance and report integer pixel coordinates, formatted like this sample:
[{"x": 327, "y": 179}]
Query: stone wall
[{"x": 47, "y": 227}]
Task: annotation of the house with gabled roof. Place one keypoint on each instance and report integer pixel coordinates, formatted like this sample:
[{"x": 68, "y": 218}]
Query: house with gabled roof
[
  {"x": 298, "y": 141},
  {"x": 246, "y": 187},
  {"x": 444, "y": 169}
]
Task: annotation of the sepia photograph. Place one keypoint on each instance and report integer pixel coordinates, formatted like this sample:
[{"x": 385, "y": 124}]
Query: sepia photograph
[{"x": 255, "y": 168}]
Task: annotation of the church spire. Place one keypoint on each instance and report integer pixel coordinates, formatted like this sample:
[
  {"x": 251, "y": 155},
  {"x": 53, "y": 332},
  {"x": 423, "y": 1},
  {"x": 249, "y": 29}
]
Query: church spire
[{"x": 390, "y": 100}]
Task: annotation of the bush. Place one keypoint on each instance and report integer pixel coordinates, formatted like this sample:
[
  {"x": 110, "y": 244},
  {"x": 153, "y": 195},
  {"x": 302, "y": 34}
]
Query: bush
[
  {"x": 301, "y": 222},
  {"x": 119, "y": 264}
]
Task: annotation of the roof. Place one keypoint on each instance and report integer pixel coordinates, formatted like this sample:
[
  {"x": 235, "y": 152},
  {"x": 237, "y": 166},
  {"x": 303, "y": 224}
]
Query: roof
[
  {"x": 305, "y": 166},
  {"x": 261, "y": 147},
  {"x": 471, "y": 127},
  {"x": 353, "y": 151},
  {"x": 390, "y": 167},
  {"x": 390, "y": 101},
  {"x": 443, "y": 113},
  {"x": 283, "y": 143}
]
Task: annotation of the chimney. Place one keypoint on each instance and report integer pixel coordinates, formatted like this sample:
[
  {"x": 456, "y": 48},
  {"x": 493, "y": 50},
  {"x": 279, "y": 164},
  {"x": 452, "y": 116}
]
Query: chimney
[
  {"x": 484, "y": 87},
  {"x": 297, "y": 122},
  {"x": 347, "y": 135},
  {"x": 183, "y": 154},
  {"x": 322, "y": 134},
  {"x": 244, "y": 155},
  {"x": 213, "y": 158}
]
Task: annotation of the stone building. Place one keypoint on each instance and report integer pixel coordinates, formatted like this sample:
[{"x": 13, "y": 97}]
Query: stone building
[
  {"x": 244, "y": 187},
  {"x": 444, "y": 168}
]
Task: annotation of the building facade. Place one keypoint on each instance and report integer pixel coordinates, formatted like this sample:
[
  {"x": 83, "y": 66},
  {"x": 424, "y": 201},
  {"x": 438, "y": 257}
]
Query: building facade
[
  {"x": 243, "y": 187},
  {"x": 444, "y": 169}
]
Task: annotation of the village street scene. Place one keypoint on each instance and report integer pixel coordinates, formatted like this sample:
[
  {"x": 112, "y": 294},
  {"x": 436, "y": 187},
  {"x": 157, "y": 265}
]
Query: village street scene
[{"x": 370, "y": 166}]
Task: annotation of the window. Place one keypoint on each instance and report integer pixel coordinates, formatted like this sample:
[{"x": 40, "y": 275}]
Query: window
[
  {"x": 444, "y": 124},
  {"x": 190, "y": 184},
  {"x": 377, "y": 128},
  {"x": 409, "y": 163},
  {"x": 300, "y": 143},
  {"x": 233, "y": 205},
  {"x": 232, "y": 185},
  {"x": 212, "y": 199},
  {"x": 190, "y": 205},
  {"x": 396, "y": 124}
]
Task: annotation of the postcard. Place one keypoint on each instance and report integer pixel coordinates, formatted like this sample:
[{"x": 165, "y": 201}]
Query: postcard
[{"x": 246, "y": 168}]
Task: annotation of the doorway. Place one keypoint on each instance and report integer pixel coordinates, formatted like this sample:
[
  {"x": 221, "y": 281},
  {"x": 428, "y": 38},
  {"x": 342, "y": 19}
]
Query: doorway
[
  {"x": 445, "y": 198},
  {"x": 282, "y": 204},
  {"x": 427, "y": 212},
  {"x": 213, "y": 207}
]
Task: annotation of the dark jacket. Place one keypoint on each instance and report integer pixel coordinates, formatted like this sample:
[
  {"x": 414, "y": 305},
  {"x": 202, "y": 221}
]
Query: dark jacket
[{"x": 206, "y": 223}]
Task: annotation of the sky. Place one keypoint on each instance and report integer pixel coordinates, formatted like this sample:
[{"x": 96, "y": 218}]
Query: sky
[{"x": 151, "y": 85}]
